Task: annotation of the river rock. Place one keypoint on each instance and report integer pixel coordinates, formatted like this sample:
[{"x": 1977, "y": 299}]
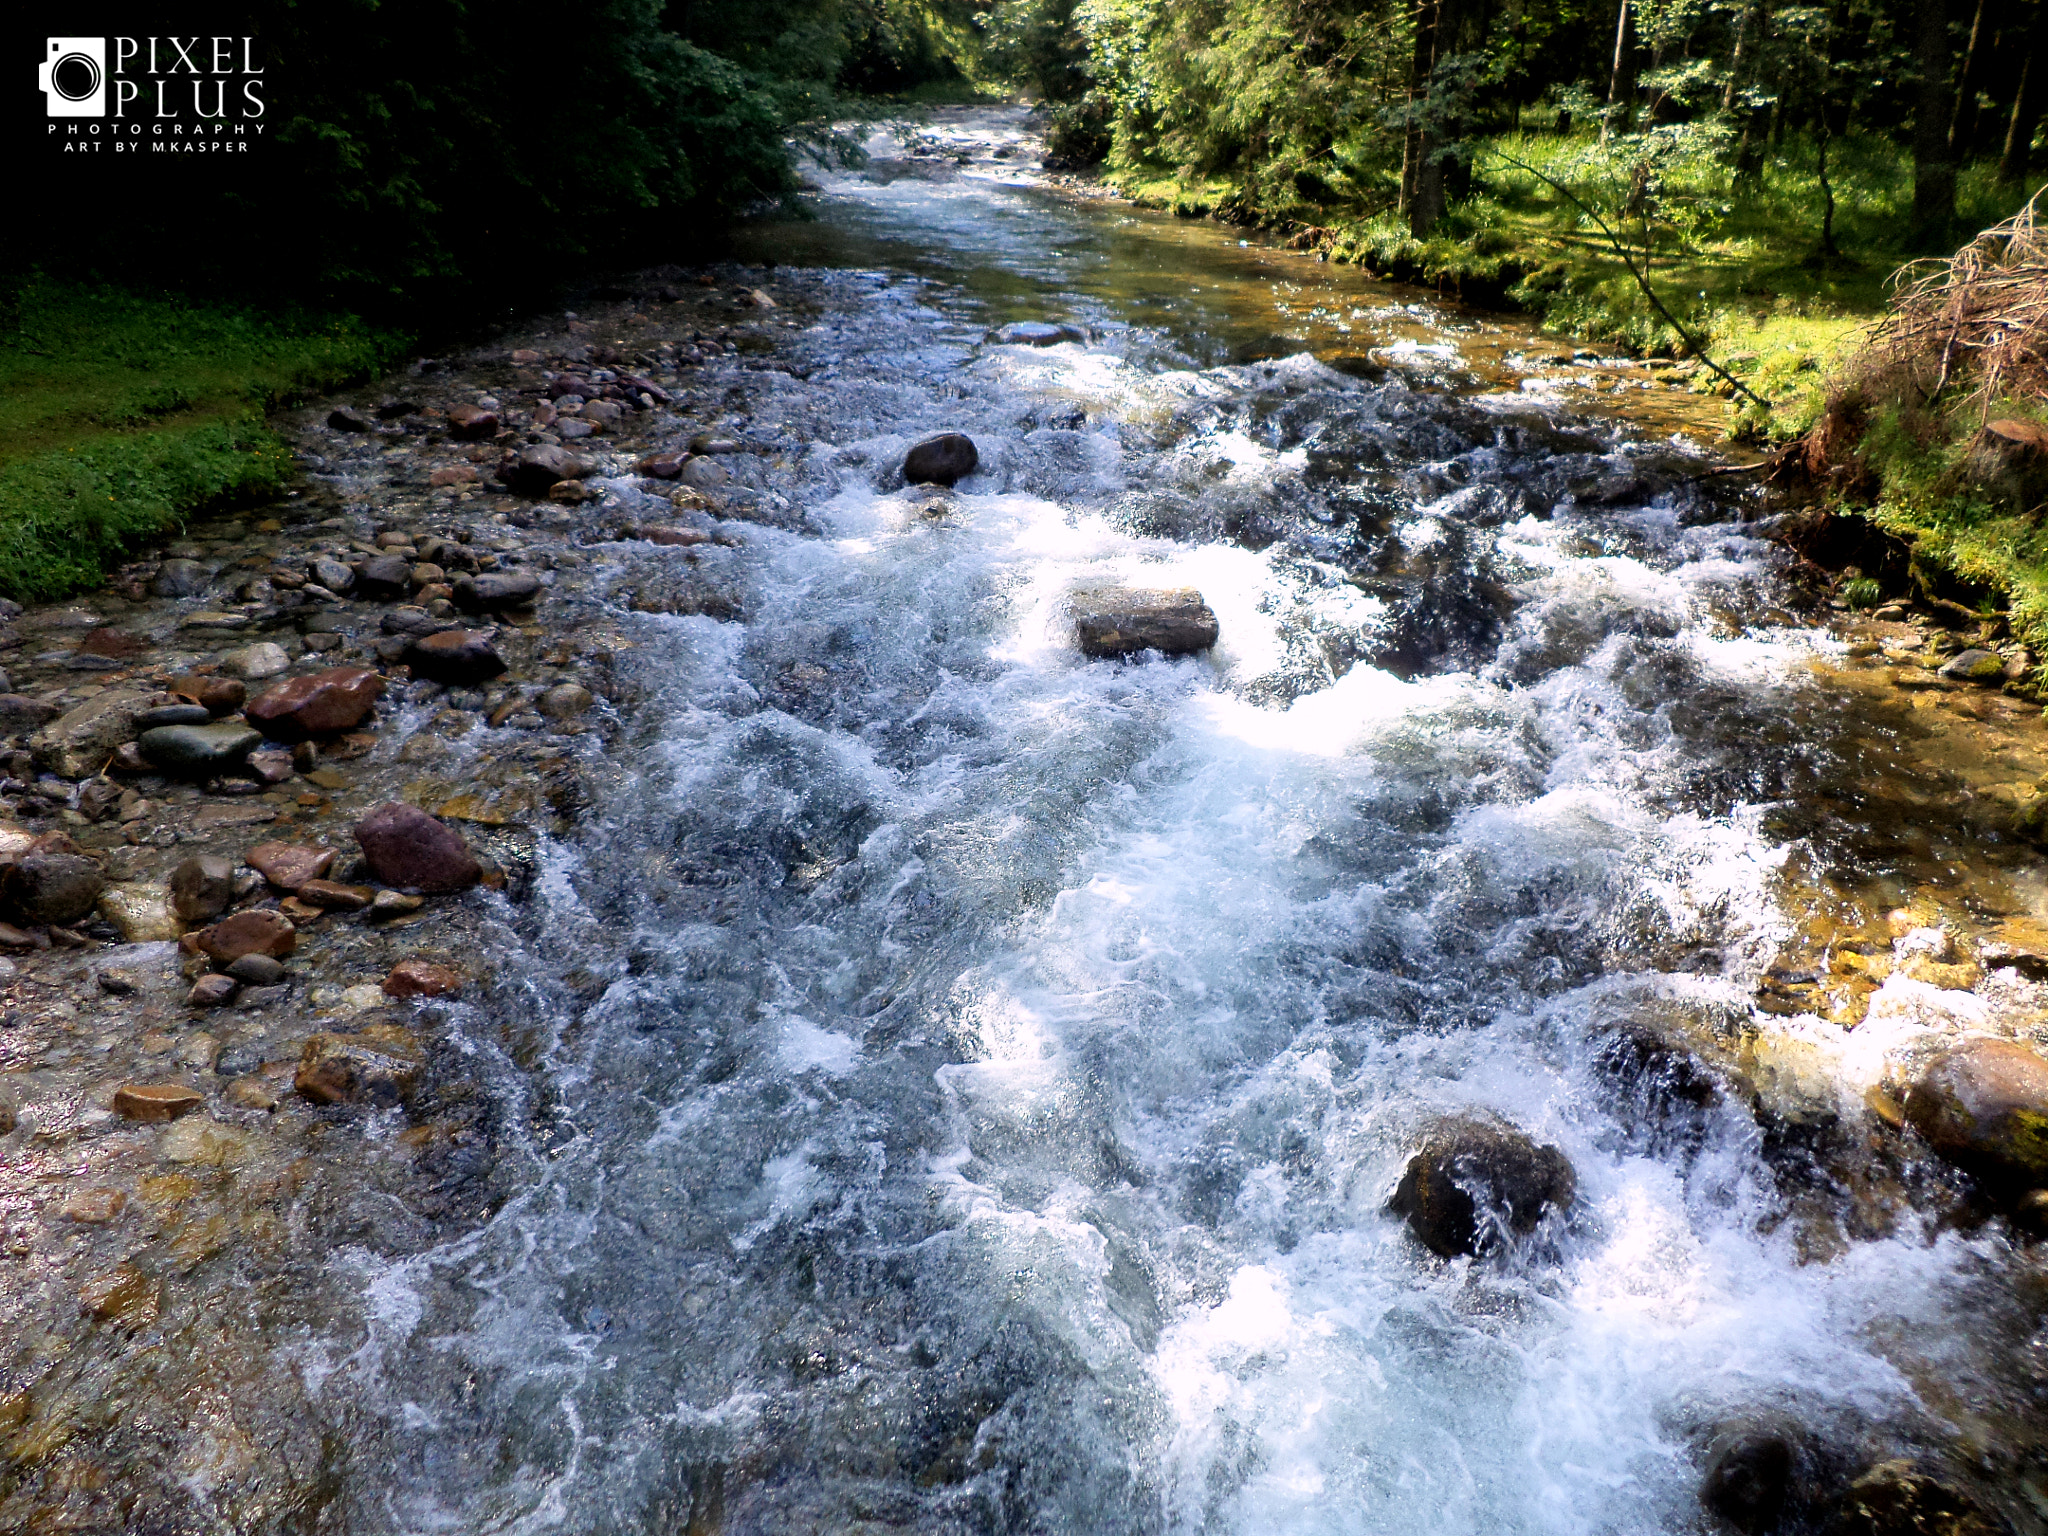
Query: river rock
[
  {"x": 257, "y": 970},
  {"x": 123, "y": 1296},
  {"x": 454, "y": 656},
  {"x": 217, "y": 695},
  {"x": 371, "y": 1068},
  {"x": 1037, "y": 333},
  {"x": 154, "y": 1103},
  {"x": 1896, "y": 1498},
  {"x": 179, "y": 578},
  {"x": 75, "y": 744},
  {"x": 212, "y": 992},
  {"x": 344, "y": 418},
  {"x": 422, "y": 978},
  {"x": 408, "y": 849},
  {"x": 1471, "y": 1177},
  {"x": 941, "y": 460},
  {"x": 172, "y": 714},
  {"x": 317, "y": 704},
  {"x": 201, "y": 888},
  {"x": 333, "y": 896},
  {"x": 19, "y": 712},
  {"x": 141, "y": 914},
  {"x": 199, "y": 750},
  {"x": 472, "y": 422},
  {"x": 565, "y": 701},
  {"x": 661, "y": 466},
  {"x": 49, "y": 885},
  {"x": 1984, "y": 1105},
  {"x": 332, "y": 574},
  {"x": 494, "y": 590},
  {"x": 259, "y": 931},
  {"x": 384, "y": 577},
  {"x": 256, "y": 662},
  {"x": 289, "y": 865},
  {"x": 1975, "y": 667},
  {"x": 531, "y": 471},
  {"x": 1118, "y": 621},
  {"x": 1761, "y": 1477}
]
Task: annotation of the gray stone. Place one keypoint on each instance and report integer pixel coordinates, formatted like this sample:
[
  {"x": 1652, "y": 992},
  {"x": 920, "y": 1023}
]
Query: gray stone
[
  {"x": 1975, "y": 667},
  {"x": 75, "y": 744},
  {"x": 532, "y": 470},
  {"x": 255, "y": 662},
  {"x": 457, "y": 656},
  {"x": 201, "y": 888},
  {"x": 386, "y": 576},
  {"x": 494, "y": 590},
  {"x": 50, "y": 886},
  {"x": 1037, "y": 333},
  {"x": 179, "y": 578},
  {"x": 566, "y": 701},
  {"x": 19, "y": 712},
  {"x": 257, "y": 970},
  {"x": 331, "y": 574},
  {"x": 173, "y": 714},
  {"x": 704, "y": 474},
  {"x": 212, "y": 992},
  {"x": 1118, "y": 621},
  {"x": 199, "y": 749}
]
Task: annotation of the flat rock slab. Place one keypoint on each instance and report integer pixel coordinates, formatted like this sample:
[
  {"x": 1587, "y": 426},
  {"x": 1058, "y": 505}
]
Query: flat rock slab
[{"x": 1119, "y": 621}]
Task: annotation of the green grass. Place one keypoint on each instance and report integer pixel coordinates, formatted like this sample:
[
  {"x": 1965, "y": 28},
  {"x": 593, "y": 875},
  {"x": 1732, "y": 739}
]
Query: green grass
[
  {"x": 123, "y": 413},
  {"x": 1739, "y": 264}
]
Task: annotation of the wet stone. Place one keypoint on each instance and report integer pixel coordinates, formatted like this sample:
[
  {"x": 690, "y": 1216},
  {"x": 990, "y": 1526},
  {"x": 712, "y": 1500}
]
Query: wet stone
[
  {"x": 289, "y": 865},
  {"x": 51, "y": 886},
  {"x": 1473, "y": 1181},
  {"x": 384, "y": 577},
  {"x": 941, "y": 460},
  {"x": 407, "y": 848},
  {"x": 531, "y": 471},
  {"x": 257, "y": 932},
  {"x": 211, "y": 992},
  {"x": 258, "y": 970},
  {"x": 218, "y": 695},
  {"x": 1119, "y": 621},
  {"x": 124, "y": 1296},
  {"x": 153, "y": 1103},
  {"x": 173, "y": 714},
  {"x": 179, "y": 578},
  {"x": 494, "y": 590},
  {"x": 1984, "y": 1105},
  {"x": 455, "y": 656},
  {"x": 201, "y": 888},
  {"x": 362, "y": 1069},
  {"x": 317, "y": 704},
  {"x": 331, "y": 895},
  {"x": 1975, "y": 667},
  {"x": 19, "y": 713},
  {"x": 198, "y": 750},
  {"x": 422, "y": 978},
  {"x": 331, "y": 574},
  {"x": 255, "y": 662},
  {"x": 94, "y": 1207}
]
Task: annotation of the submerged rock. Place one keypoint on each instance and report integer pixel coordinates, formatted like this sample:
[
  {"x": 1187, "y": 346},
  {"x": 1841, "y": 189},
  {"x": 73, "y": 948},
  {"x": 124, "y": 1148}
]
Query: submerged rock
[
  {"x": 409, "y": 849},
  {"x": 318, "y": 704},
  {"x": 1895, "y": 1498},
  {"x": 941, "y": 460},
  {"x": 1118, "y": 621},
  {"x": 75, "y": 744},
  {"x": 1037, "y": 333},
  {"x": 1984, "y": 1105},
  {"x": 198, "y": 749},
  {"x": 1471, "y": 1178},
  {"x": 532, "y": 470},
  {"x": 260, "y": 931},
  {"x": 375, "y": 1067},
  {"x": 455, "y": 656},
  {"x": 154, "y": 1103}
]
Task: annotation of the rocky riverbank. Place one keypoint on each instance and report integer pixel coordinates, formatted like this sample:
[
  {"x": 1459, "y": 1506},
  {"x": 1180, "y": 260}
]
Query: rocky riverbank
[{"x": 271, "y": 807}]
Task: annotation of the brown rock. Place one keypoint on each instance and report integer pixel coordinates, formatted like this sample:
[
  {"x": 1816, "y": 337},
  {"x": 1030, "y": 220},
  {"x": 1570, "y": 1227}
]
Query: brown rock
[
  {"x": 94, "y": 1207},
  {"x": 532, "y": 470},
  {"x": 456, "y": 474},
  {"x": 336, "y": 896},
  {"x": 1118, "y": 621},
  {"x": 287, "y": 865},
  {"x": 153, "y": 1103},
  {"x": 662, "y": 466},
  {"x": 1984, "y": 1105},
  {"x": 356, "y": 1069},
  {"x": 257, "y": 932},
  {"x": 422, "y": 978},
  {"x": 1473, "y": 1181},
  {"x": 123, "y": 1295},
  {"x": 212, "y": 992},
  {"x": 472, "y": 421},
  {"x": 112, "y": 645},
  {"x": 201, "y": 888},
  {"x": 251, "y": 1093},
  {"x": 455, "y": 656},
  {"x": 317, "y": 704},
  {"x": 50, "y": 885},
  {"x": 302, "y": 913},
  {"x": 389, "y": 904},
  {"x": 220, "y": 695},
  {"x": 570, "y": 493},
  {"x": 660, "y": 533},
  {"x": 411, "y": 850}
]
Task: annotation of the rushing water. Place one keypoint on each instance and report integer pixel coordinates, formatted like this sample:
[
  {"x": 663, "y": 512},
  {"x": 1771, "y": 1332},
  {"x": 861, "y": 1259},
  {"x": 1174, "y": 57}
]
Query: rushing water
[{"x": 973, "y": 1077}]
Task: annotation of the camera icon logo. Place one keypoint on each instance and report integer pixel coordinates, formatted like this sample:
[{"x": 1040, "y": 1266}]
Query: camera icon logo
[{"x": 73, "y": 77}]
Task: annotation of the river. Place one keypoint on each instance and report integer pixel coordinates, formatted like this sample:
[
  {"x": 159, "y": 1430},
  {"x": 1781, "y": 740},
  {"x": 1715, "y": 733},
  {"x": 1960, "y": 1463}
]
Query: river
[{"x": 968, "y": 1080}]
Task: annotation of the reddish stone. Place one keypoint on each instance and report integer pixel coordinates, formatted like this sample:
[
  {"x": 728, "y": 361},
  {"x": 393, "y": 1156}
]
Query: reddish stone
[
  {"x": 422, "y": 978},
  {"x": 220, "y": 695},
  {"x": 259, "y": 932},
  {"x": 661, "y": 533},
  {"x": 662, "y": 466},
  {"x": 112, "y": 644},
  {"x": 155, "y": 1102},
  {"x": 316, "y": 704},
  {"x": 409, "y": 849},
  {"x": 289, "y": 866},
  {"x": 472, "y": 421},
  {"x": 333, "y": 894},
  {"x": 459, "y": 474}
]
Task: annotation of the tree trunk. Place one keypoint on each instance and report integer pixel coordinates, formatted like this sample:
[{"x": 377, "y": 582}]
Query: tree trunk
[
  {"x": 1419, "y": 68},
  {"x": 1735, "y": 61},
  {"x": 1963, "y": 119},
  {"x": 2026, "y": 102},
  {"x": 1621, "y": 82},
  {"x": 1934, "y": 172}
]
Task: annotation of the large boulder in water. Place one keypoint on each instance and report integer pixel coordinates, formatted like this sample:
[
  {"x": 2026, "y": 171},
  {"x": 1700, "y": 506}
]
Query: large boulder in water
[
  {"x": 1119, "y": 621},
  {"x": 1763, "y": 1477},
  {"x": 1896, "y": 1498},
  {"x": 941, "y": 460},
  {"x": 1984, "y": 1105},
  {"x": 1473, "y": 1179}
]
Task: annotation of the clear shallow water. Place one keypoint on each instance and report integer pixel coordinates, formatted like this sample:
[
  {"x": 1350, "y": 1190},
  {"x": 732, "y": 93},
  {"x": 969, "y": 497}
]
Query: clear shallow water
[{"x": 971, "y": 1078}]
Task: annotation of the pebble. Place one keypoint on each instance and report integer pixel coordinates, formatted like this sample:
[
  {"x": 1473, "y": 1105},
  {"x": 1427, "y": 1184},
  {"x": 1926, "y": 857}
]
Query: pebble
[
  {"x": 288, "y": 866},
  {"x": 422, "y": 978},
  {"x": 334, "y": 896},
  {"x": 566, "y": 701},
  {"x": 153, "y": 1103},
  {"x": 51, "y": 885},
  {"x": 317, "y": 704},
  {"x": 201, "y": 888},
  {"x": 367, "y": 1068},
  {"x": 255, "y": 662},
  {"x": 218, "y": 695},
  {"x": 123, "y": 1295},
  {"x": 94, "y": 1207},
  {"x": 256, "y": 932},
  {"x": 211, "y": 992},
  {"x": 257, "y": 969}
]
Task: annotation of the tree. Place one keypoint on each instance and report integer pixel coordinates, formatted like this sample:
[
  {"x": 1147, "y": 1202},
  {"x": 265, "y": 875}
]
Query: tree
[{"x": 1934, "y": 168}]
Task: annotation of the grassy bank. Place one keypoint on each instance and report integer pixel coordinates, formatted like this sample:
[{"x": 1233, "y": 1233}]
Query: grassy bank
[
  {"x": 122, "y": 413},
  {"x": 1743, "y": 263}
]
